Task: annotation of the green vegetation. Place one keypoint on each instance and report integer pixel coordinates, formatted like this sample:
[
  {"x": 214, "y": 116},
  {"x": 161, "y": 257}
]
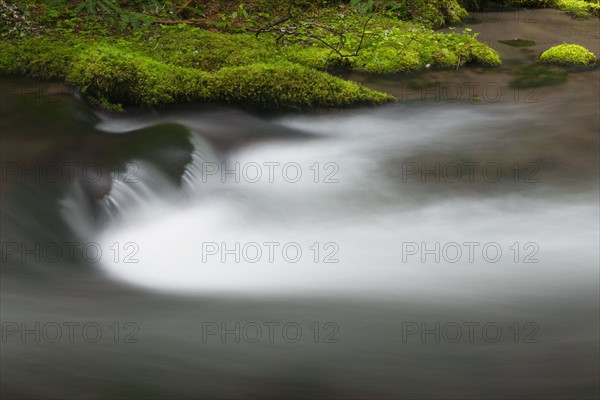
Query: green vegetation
[
  {"x": 435, "y": 13},
  {"x": 267, "y": 54},
  {"x": 568, "y": 54},
  {"x": 283, "y": 85},
  {"x": 578, "y": 8},
  {"x": 396, "y": 47},
  {"x": 116, "y": 76},
  {"x": 279, "y": 54},
  {"x": 112, "y": 75}
]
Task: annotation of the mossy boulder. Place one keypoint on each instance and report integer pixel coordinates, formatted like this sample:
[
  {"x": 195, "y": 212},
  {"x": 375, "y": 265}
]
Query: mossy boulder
[
  {"x": 289, "y": 86},
  {"x": 568, "y": 54},
  {"x": 112, "y": 76},
  {"x": 436, "y": 13}
]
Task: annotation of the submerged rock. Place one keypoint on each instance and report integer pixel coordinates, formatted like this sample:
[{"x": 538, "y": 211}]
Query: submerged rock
[{"x": 517, "y": 42}]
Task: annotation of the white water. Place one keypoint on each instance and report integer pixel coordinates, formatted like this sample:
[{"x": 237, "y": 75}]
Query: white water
[{"x": 367, "y": 215}]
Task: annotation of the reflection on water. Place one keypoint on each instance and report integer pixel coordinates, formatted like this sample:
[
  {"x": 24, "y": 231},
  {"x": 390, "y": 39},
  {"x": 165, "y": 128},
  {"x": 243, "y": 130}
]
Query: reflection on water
[{"x": 366, "y": 195}]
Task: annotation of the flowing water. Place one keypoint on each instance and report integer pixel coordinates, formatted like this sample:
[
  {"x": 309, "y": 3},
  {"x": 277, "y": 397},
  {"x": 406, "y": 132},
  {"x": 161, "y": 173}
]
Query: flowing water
[{"x": 358, "y": 243}]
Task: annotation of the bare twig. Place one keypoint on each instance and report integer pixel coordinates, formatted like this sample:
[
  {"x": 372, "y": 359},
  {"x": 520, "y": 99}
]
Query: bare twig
[
  {"x": 308, "y": 30},
  {"x": 287, "y": 18},
  {"x": 183, "y": 7},
  {"x": 363, "y": 35}
]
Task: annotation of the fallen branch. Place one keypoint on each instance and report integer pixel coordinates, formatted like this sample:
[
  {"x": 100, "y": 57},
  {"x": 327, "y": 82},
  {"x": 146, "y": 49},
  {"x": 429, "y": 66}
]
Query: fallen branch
[{"x": 187, "y": 22}]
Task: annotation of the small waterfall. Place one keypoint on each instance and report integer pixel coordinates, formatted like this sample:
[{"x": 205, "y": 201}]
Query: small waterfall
[{"x": 357, "y": 234}]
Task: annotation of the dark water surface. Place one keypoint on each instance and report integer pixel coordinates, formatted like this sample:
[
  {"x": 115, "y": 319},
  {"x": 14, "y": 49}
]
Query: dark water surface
[{"x": 391, "y": 305}]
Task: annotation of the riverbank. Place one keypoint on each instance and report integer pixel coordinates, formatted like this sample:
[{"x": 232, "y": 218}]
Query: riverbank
[{"x": 267, "y": 55}]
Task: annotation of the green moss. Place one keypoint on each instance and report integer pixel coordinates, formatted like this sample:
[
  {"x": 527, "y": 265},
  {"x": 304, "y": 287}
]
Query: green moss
[
  {"x": 117, "y": 76},
  {"x": 579, "y": 8},
  {"x": 401, "y": 47},
  {"x": 479, "y": 53},
  {"x": 180, "y": 63},
  {"x": 197, "y": 48},
  {"x": 38, "y": 57},
  {"x": 113, "y": 76},
  {"x": 286, "y": 85},
  {"x": 530, "y": 3},
  {"x": 436, "y": 13},
  {"x": 568, "y": 54}
]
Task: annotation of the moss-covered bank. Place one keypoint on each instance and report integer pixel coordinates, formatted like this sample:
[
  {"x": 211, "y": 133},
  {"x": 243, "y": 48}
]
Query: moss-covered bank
[
  {"x": 117, "y": 76},
  {"x": 164, "y": 63},
  {"x": 577, "y": 8}
]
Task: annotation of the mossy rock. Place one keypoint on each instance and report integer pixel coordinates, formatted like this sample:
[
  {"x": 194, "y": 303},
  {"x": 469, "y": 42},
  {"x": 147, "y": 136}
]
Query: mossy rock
[
  {"x": 112, "y": 76},
  {"x": 568, "y": 54},
  {"x": 289, "y": 86},
  {"x": 436, "y": 13}
]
